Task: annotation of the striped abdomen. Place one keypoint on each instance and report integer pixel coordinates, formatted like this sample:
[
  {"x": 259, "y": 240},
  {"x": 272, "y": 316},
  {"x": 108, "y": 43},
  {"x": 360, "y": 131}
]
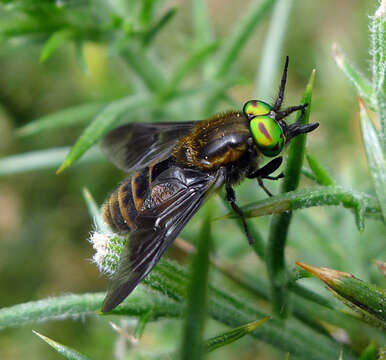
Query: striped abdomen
[
  {"x": 134, "y": 195},
  {"x": 123, "y": 205}
]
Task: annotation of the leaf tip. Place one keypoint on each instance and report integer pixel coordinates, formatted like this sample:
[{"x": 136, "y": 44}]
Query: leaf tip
[
  {"x": 254, "y": 325},
  {"x": 312, "y": 77},
  {"x": 43, "y": 58},
  {"x": 361, "y": 224},
  {"x": 63, "y": 167},
  {"x": 329, "y": 276},
  {"x": 44, "y": 338},
  {"x": 361, "y": 103},
  {"x": 86, "y": 194},
  {"x": 337, "y": 54},
  {"x": 363, "y": 111}
]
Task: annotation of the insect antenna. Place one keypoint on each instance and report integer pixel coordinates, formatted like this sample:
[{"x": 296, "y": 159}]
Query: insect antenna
[
  {"x": 296, "y": 129},
  {"x": 280, "y": 96}
]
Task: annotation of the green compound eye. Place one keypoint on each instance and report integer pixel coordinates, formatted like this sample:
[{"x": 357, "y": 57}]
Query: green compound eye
[
  {"x": 267, "y": 134},
  {"x": 256, "y": 107}
]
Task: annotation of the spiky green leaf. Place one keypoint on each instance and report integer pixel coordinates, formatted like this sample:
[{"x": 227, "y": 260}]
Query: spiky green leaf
[
  {"x": 361, "y": 83},
  {"x": 232, "y": 335},
  {"x": 321, "y": 174},
  {"x": 102, "y": 123},
  {"x": 41, "y": 160},
  {"x": 375, "y": 156},
  {"x": 56, "y": 40},
  {"x": 64, "y": 350},
  {"x": 75, "y": 115}
]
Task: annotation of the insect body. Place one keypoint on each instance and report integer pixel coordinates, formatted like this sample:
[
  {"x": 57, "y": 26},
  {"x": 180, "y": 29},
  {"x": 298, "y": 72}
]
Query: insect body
[{"x": 175, "y": 166}]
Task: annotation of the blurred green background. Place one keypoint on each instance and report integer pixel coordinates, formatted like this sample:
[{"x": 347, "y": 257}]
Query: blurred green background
[{"x": 44, "y": 223}]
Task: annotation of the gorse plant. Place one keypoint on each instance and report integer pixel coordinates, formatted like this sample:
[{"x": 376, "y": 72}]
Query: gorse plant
[{"x": 282, "y": 308}]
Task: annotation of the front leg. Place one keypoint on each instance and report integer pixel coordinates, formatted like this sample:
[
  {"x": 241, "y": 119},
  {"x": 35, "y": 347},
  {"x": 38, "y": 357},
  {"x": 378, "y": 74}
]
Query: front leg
[
  {"x": 231, "y": 197},
  {"x": 265, "y": 171}
]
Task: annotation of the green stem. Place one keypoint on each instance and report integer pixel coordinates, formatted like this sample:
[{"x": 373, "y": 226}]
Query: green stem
[
  {"x": 361, "y": 203},
  {"x": 279, "y": 227},
  {"x": 378, "y": 67},
  {"x": 276, "y": 262},
  {"x": 260, "y": 288},
  {"x": 301, "y": 341},
  {"x": 72, "y": 306},
  {"x": 192, "y": 345}
]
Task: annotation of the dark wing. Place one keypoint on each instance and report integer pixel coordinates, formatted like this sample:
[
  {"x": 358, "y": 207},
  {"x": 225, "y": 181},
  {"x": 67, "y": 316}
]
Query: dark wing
[
  {"x": 137, "y": 145},
  {"x": 158, "y": 226}
]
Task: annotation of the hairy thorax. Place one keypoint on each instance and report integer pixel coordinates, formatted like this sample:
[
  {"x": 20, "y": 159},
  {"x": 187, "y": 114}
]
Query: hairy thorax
[{"x": 214, "y": 143}]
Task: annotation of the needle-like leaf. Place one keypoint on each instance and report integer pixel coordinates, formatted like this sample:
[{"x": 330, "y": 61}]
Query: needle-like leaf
[
  {"x": 375, "y": 156},
  {"x": 75, "y": 115},
  {"x": 56, "y": 40},
  {"x": 103, "y": 122},
  {"x": 64, "y": 350},
  {"x": 232, "y": 335}
]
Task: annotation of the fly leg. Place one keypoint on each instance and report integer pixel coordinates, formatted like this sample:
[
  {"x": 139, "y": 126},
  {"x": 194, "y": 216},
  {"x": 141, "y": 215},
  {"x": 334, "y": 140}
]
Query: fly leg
[
  {"x": 265, "y": 171},
  {"x": 231, "y": 197}
]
